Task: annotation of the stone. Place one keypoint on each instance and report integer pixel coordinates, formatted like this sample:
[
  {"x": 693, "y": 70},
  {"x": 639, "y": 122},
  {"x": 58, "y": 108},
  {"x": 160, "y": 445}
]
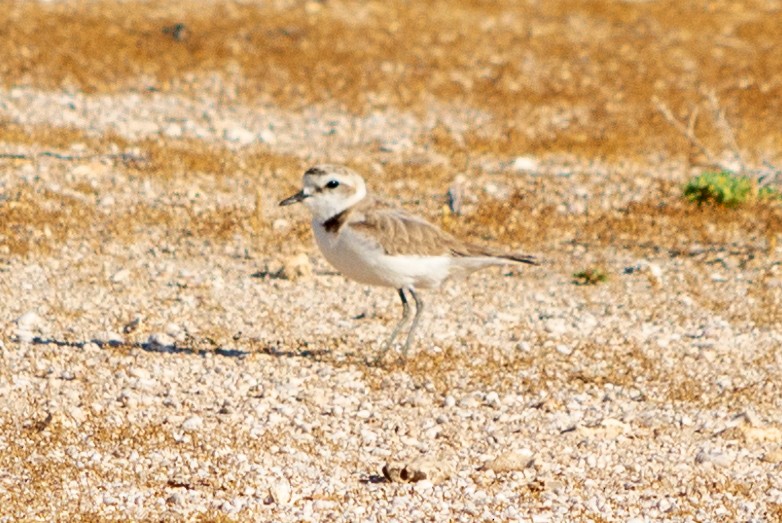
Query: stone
[
  {"x": 510, "y": 461},
  {"x": 417, "y": 470},
  {"x": 525, "y": 164},
  {"x": 160, "y": 339},
  {"x": 193, "y": 424},
  {"x": 239, "y": 135},
  {"x": 280, "y": 492},
  {"x": 297, "y": 267}
]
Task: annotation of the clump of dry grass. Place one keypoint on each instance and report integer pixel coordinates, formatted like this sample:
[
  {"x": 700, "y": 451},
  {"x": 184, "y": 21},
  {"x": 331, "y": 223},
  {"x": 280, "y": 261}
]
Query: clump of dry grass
[
  {"x": 653, "y": 224},
  {"x": 42, "y": 135},
  {"x": 33, "y": 221}
]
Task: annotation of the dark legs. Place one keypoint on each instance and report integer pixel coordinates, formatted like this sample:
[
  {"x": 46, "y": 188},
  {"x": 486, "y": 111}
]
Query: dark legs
[
  {"x": 419, "y": 307},
  {"x": 405, "y": 317}
]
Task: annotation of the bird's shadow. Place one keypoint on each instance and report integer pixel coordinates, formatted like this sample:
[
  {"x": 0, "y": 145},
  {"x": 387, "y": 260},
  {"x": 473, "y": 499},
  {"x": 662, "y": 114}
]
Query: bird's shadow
[
  {"x": 372, "y": 479},
  {"x": 146, "y": 347},
  {"x": 269, "y": 349}
]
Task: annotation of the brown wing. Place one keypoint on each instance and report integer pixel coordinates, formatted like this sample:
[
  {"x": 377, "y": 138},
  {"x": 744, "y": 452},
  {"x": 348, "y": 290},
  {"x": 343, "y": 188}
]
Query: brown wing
[{"x": 400, "y": 233}]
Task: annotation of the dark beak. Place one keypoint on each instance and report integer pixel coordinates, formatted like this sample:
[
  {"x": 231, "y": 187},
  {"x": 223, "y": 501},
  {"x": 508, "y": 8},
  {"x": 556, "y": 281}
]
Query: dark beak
[{"x": 296, "y": 198}]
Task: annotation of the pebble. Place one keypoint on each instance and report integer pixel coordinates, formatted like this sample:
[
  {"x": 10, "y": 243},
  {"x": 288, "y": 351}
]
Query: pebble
[
  {"x": 175, "y": 499},
  {"x": 120, "y": 276},
  {"x": 29, "y": 320},
  {"x": 193, "y": 424},
  {"x": 239, "y": 135},
  {"x": 297, "y": 267},
  {"x": 417, "y": 470},
  {"x": 160, "y": 339},
  {"x": 773, "y": 456},
  {"x": 555, "y": 326},
  {"x": 173, "y": 130},
  {"x": 280, "y": 492},
  {"x": 281, "y": 224},
  {"x": 27, "y": 326},
  {"x": 267, "y": 136},
  {"x": 525, "y": 164},
  {"x": 510, "y": 461},
  {"x": 565, "y": 350}
]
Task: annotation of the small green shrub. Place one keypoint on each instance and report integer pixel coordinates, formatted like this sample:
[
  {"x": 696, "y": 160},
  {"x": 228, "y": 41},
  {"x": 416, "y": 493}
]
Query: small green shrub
[
  {"x": 591, "y": 276},
  {"x": 726, "y": 188},
  {"x": 723, "y": 187}
]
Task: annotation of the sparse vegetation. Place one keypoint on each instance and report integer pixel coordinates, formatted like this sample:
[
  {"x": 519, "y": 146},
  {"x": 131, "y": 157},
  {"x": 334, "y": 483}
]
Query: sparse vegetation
[
  {"x": 590, "y": 276},
  {"x": 722, "y": 187},
  {"x": 726, "y": 188}
]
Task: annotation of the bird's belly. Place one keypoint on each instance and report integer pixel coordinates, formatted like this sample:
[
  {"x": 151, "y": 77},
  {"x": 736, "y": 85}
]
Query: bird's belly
[{"x": 366, "y": 263}]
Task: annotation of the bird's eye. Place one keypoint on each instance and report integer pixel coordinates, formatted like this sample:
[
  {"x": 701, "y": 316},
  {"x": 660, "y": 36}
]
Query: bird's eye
[{"x": 333, "y": 184}]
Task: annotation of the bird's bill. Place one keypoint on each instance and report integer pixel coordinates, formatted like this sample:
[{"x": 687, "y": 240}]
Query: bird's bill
[{"x": 296, "y": 198}]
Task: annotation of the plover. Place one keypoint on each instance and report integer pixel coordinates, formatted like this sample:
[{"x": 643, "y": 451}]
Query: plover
[{"x": 378, "y": 244}]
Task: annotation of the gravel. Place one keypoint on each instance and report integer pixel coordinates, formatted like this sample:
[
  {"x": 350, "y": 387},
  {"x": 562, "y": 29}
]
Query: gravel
[{"x": 172, "y": 376}]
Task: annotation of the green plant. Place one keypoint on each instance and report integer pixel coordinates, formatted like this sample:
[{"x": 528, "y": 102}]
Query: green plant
[
  {"x": 726, "y": 188},
  {"x": 591, "y": 276},
  {"x": 722, "y": 187}
]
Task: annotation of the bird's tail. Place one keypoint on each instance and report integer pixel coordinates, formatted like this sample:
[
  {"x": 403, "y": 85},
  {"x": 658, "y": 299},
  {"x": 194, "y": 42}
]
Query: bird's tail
[
  {"x": 488, "y": 252},
  {"x": 520, "y": 258}
]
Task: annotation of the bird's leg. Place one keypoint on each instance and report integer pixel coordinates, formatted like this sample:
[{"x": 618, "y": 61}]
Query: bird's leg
[
  {"x": 419, "y": 308},
  {"x": 405, "y": 316}
]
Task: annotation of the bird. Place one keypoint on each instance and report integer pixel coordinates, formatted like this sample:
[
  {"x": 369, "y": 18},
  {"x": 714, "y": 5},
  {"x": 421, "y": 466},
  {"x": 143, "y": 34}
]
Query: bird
[{"x": 379, "y": 244}]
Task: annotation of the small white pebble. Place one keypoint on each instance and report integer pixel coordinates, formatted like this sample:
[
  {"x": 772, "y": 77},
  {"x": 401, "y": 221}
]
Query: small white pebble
[{"x": 193, "y": 424}]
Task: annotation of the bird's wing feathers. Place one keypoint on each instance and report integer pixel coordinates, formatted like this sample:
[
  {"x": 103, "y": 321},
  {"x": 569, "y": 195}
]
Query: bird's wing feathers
[{"x": 400, "y": 233}]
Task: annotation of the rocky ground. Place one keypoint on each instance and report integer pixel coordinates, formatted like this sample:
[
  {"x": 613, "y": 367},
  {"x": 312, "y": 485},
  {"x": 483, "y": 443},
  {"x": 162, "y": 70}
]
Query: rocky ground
[{"x": 174, "y": 347}]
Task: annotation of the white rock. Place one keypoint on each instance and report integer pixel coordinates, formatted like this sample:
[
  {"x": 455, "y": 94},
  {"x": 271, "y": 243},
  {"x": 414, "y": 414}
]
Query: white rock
[
  {"x": 27, "y": 325},
  {"x": 120, "y": 276},
  {"x": 281, "y": 224},
  {"x": 175, "y": 331},
  {"x": 29, "y": 320},
  {"x": 193, "y": 423},
  {"x": 525, "y": 164},
  {"x": 565, "y": 350},
  {"x": 160, "y": 339},
  {"x": 240, "y": 135},
  {"x": 510, "y": 461},
  {"x": 555, "y": 326},
  {"x": 492, "y": 399},
  {"x": 107, "y": 201},
  {"x": 280, "y": 492},
  {"x": 173, "y": 130},
  {"x": 267, "y": 136}
]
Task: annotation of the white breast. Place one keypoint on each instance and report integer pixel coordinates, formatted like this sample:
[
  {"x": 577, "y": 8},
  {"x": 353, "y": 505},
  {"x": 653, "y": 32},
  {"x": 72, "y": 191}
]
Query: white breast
[{"x": 359, "y": 258}]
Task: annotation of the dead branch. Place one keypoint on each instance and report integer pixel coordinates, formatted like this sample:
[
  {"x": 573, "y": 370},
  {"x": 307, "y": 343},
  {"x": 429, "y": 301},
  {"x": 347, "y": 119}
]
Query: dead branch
[
  {"x": 687, "y": 130},
  {"x": 721, "y": 121}
]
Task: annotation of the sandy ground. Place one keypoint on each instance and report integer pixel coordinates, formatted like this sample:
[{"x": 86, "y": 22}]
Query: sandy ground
[{"x": 174, "y": 347}]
